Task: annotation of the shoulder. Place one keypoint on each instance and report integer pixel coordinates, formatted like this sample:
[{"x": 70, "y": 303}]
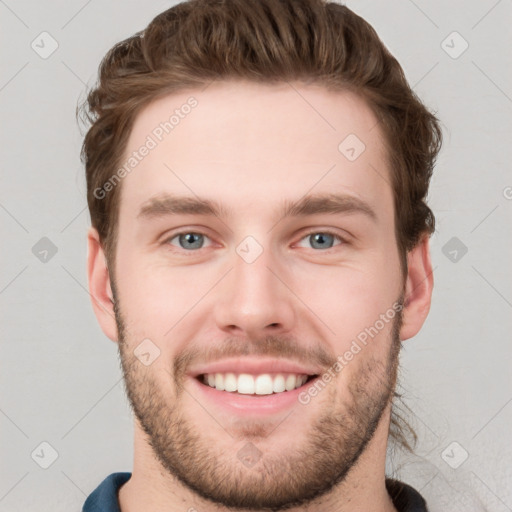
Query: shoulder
[
  {"x": 104, "y": 497},
  {"x": 405, "y": 498}
]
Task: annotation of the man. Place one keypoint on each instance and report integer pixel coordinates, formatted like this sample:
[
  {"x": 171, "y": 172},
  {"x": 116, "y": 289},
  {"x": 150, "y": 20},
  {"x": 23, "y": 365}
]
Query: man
[{"x": 259, "y": 249}]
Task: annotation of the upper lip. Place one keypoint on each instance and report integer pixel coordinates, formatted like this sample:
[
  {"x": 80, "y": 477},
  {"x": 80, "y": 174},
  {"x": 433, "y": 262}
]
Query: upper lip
[{"x": 253, "y": 365}]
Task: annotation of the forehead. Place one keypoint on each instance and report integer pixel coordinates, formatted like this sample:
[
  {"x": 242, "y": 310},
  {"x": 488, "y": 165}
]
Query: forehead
[{"x": 249, "y": 142}]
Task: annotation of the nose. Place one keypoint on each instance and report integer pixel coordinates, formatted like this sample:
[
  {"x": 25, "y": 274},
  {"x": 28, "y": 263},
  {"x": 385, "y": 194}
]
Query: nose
[{"x": 254, "y": 300}]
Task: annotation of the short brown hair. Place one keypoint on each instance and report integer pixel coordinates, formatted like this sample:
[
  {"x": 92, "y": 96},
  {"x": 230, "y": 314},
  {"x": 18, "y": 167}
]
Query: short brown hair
[{"x": 269, "y": 41}]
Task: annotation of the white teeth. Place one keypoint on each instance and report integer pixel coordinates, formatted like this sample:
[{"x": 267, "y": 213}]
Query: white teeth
[
  {"x": 278, "y": 386},
  {"x": 230, "y": 382},
  {"x": 263, "y": 385},
  {"x": 246, "y": 384},
  {"x": 219, "y": 381},
  {"x": 291, "y": 380}
]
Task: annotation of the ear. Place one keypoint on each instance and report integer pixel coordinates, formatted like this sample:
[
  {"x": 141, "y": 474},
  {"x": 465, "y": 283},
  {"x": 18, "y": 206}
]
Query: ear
[
  {"x": 418, "y": 289},
  {"x": 99, "y": 285}
]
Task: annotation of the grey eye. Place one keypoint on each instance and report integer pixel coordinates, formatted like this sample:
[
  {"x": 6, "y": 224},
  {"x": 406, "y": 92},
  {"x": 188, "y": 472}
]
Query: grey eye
[
  {"x": 190, "y": 240},
  {"x": 321, "y": 240}
]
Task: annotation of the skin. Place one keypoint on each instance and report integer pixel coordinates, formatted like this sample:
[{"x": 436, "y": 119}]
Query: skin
[{"x": 250, "y": 146}]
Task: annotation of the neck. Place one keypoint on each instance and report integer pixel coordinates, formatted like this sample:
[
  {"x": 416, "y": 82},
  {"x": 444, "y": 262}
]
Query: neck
[{"x": 151, "y": 488}]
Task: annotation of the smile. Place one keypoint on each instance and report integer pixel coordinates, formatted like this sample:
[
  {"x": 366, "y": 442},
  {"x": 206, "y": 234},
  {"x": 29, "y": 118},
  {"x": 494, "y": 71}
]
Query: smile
[
  {"x": 251, "y": 386},
  {"x": 248, "y": 384}
]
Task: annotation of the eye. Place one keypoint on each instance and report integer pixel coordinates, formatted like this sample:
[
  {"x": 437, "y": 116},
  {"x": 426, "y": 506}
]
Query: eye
[
  {"x": 322, "y": 239},
  {"x": 188, "y": 240}
]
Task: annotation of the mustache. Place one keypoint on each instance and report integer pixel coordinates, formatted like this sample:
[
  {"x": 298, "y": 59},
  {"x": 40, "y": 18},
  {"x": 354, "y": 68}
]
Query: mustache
[{"x": 269, "y": 346}]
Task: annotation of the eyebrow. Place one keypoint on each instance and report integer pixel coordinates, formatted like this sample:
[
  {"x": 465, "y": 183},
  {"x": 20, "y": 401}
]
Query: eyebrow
[{"x": 168, "y": 204}]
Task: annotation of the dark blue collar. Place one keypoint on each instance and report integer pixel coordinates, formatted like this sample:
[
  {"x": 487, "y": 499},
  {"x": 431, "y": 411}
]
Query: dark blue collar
[{"x": 104, "y": 497}]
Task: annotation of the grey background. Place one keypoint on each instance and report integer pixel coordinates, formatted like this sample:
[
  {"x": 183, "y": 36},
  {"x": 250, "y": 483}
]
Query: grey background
[{"x": 60, "y": 377}]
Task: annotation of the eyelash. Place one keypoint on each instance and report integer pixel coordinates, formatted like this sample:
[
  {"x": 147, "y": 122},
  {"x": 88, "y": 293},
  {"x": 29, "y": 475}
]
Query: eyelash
[{"x": 309, "y": 233}]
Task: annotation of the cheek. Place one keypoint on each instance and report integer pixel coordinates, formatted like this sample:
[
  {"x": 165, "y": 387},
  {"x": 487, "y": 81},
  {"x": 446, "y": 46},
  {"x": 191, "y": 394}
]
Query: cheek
[
  {"x": 352, "y": 295},
  {"x": 149, "y": 299},
  {"x": 358, "y": 305},
  {"x": 165, "y": 303}
]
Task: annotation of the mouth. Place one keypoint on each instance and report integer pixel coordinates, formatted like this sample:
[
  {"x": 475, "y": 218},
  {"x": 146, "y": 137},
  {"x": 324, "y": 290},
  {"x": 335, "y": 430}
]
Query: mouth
[
  {"x": 255, "y": 385},
  {"x": 251, "y": 387}
]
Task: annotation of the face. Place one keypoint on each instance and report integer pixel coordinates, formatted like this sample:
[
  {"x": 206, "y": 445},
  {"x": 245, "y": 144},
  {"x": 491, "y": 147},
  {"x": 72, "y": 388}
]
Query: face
[{"x": 258, "y": 289}]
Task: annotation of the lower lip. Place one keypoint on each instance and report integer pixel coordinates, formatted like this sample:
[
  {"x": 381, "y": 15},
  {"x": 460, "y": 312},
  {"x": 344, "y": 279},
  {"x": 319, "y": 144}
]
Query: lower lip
[{"x": 257, "y": 405}]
